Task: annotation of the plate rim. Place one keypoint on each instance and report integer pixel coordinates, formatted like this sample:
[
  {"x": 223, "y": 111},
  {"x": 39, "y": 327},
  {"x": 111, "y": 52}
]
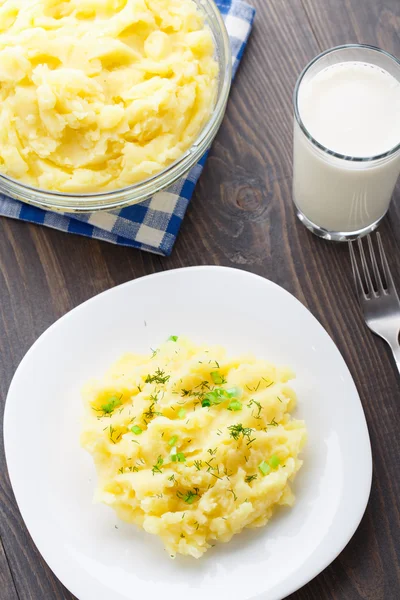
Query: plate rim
[{"x": 283, "y": 588}]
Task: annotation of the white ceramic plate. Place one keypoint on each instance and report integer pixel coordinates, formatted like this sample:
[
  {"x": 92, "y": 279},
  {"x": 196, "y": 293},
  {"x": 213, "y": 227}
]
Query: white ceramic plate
[{"x": 99, "y": 558}]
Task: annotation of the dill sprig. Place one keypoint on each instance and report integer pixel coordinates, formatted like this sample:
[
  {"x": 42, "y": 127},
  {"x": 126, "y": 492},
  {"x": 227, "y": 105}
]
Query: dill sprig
[
  {"x": 238, "y": 430},
  {"x": 259, "y": 407},
  {"x": 109, "y": 407},
  {"x": 189, "y": 497},
  {"x": 250, "y": 478},
  {"x": 112, "y": 431},
  {"x": 158, "y": 377},
  {"x": 150, "y": 413},
  {"x": 157, "y": 467}
]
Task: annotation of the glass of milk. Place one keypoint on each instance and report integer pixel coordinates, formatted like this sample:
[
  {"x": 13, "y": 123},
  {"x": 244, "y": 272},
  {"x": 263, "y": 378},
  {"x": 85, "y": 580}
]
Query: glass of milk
[{"x": 346, "y": 140}]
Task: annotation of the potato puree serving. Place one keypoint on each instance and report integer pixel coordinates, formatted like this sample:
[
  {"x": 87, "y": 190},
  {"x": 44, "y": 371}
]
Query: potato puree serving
[
  {"x": 192, "y": 445},
  {"x": 97, "y": 95}
]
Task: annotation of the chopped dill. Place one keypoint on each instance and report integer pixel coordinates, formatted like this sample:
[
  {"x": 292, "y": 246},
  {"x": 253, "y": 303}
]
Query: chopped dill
[
  {"x": 158, "y": 377},
  {"x": 250, "y": 478},
  {"x": 109, "y": 407},
  {"x": 212, "y": 452},
  {"x": 198, "y": 464},
  {"x": 189, "y": 497},
  {"x": 157, "y": 467},
  {"x": 237, "y": 430},
  {"x": 112, "y": 430},
  {"x": 234, "y": 495},
  {"x": 259, "y": 407},
  {"x": 150, "y": 413}
]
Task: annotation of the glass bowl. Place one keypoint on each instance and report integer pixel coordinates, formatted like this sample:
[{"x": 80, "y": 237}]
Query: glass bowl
[{"x": 78, "y": 203}]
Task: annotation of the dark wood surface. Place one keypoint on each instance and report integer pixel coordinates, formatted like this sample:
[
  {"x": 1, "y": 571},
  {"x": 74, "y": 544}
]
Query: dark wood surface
[{"x": 241, "y": 216}]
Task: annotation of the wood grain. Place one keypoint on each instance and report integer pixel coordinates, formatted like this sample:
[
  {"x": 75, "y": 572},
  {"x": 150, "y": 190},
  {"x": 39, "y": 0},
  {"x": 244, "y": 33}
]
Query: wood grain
[{"x": 241, "y": 216}]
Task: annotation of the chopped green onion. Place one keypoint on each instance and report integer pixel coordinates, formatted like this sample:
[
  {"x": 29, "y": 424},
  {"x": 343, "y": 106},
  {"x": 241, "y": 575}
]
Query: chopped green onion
[
  {"x": 206, "y": 403},
  {"x": 235, "y": 405},
  {"x": 274, "y": 461},
  {"x": 216, "y": 377},
  {"x": 112, "y": 403},
  {"x": 173, "y": 440},
  {"x": 181, "y": 457},
  {"x": 173, "y": 338},
  {"x": 264, "y": 468},
  {"x": 190, "y": 498},
  {"x": 216, "y": 396},
  {"x": 234, "y": 392},
  {"x": 136, "y": 430},
  {"x": 182, "y": 413}
]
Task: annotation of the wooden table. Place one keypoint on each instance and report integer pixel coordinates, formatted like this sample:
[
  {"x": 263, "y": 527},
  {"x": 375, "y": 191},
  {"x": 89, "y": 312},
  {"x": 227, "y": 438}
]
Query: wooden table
[{"x": 241, "y": 216}]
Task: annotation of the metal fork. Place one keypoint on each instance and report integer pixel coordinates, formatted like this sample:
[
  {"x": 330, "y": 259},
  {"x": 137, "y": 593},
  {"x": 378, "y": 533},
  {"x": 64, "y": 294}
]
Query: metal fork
[{"x": 378, "y": 300}]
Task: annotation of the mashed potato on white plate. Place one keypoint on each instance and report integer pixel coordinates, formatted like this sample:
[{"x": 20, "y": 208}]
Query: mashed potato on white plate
[{"x": 192, "y": 445}]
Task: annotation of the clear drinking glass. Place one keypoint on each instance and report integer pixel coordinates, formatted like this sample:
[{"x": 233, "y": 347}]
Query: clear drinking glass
[{"x": 341, "y": 197}]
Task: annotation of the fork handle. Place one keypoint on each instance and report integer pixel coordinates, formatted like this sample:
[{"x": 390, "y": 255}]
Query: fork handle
[{"x": 395, "y": 347}]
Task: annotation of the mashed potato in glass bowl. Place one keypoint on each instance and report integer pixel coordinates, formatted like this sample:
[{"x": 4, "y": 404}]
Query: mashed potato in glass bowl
[
  {"x": 193, "y": 445},
  {"x": 105, "y": 102}
]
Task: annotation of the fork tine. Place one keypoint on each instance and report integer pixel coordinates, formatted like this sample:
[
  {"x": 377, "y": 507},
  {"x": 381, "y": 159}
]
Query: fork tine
[
  {"x": 375, "y": 267},
  {"x": 370, "y": 287},
  {"x": 388, "y": 275},
  {"x": 356, "y": 272}
]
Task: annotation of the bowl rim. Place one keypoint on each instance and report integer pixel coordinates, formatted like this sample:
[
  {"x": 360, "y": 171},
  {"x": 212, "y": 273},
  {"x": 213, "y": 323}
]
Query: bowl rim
[{"x": 143, "y": 190}]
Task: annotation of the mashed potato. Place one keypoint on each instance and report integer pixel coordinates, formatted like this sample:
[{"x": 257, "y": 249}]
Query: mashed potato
[
  {"x": 100, "y": 94},
  {"x": 191, "y": 445}
]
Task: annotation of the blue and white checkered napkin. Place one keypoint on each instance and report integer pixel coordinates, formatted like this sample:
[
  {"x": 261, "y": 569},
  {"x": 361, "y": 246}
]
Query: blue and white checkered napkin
[{"x": 154, "y": 224}]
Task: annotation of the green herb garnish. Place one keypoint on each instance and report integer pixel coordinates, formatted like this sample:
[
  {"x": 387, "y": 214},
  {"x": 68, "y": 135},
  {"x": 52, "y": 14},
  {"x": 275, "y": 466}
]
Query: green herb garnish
[
  {"x": 190, "y": 497},
  {"x": 234, "y": 392},
  {"x": 111, "y": 404},
  {"x": 173, "y": 440},
  {"x": 237, "y": 430},
  {"x": 274, "y": 461},
  {"x": 182, "y": 413},
  {"x": 250, "y": 478},
  {"x": 136, "y": 430},
  {"x": 264, "y": 468},
  {"x": 158, "y": 377},
  {"x": 217, "y": 377},
  {"x": 235, "y": 405},
  {"x": 258, "y": 405},
  {"x": 157, "y": 467},
  {"x": 173, "y": 338}
]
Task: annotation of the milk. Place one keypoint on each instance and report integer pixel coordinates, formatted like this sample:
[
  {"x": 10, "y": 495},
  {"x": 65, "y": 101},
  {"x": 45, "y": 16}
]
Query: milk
[{"x": 353, "y": 109}]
